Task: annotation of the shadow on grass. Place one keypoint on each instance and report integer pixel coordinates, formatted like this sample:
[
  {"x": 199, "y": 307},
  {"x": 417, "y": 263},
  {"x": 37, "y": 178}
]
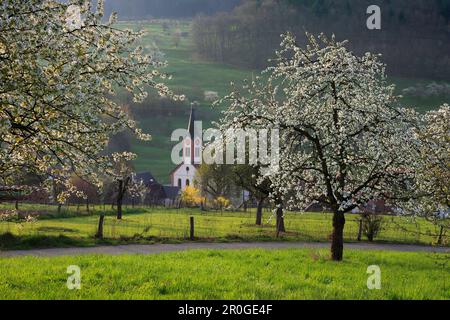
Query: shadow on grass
[
  {"x": 56, "y": 229},
  {"x": 9, "y": 241},
  {"x": 67, "y": 214}
]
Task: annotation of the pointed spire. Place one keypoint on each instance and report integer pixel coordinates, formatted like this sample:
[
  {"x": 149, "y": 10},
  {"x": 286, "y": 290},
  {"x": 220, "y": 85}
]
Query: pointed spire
[{"x": 192, "y": 119}]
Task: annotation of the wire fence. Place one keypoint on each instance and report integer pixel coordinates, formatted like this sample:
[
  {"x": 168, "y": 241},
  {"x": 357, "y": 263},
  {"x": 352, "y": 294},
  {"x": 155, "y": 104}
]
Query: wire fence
[{"x": 174, "y": 224}]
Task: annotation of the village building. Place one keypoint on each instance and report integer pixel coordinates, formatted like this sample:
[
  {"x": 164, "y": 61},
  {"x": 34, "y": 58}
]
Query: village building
[
  {"x": 372, "y": 207},
  {"x": 157, "y": 194},
  {"x": 184, "y": 174},
  {"x": 11, "y": 193}
]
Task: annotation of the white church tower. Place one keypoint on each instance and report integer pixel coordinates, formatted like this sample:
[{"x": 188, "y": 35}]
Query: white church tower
[{"x": 184, "y": 174}]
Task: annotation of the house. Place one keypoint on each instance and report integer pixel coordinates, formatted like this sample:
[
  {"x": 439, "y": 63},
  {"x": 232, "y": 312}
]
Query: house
[
  {"x": 146, "y": 177},
  {"x": 183, "y": 175},
  {"x": 167, "y": 196},
  {"x": 317, "y": 207},
  {"x": 11, "y": 193},
  {"x": 373, "y": 207},
  {"x": 158, "y": 194}
]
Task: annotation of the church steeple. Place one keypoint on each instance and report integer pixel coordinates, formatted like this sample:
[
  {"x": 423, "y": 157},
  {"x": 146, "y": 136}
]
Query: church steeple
[
  {"x": 191, "y": 125},
  {"x": 184, "y": 174},
  {"x": 193, "y": 142}
]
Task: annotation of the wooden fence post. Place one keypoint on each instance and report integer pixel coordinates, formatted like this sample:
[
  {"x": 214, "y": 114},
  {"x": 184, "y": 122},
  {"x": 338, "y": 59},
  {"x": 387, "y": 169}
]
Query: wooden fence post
[
  {"x": 441, "y": 235},
  {"x": 360, "y": 229},
  {"x": 191, "y": 234}
]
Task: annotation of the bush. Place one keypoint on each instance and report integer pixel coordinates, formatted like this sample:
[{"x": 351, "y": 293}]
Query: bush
[
  {"x": 221, "y": 202},
  {"x": 371, "y": 224},
  {"x": 190, "y": 197}
]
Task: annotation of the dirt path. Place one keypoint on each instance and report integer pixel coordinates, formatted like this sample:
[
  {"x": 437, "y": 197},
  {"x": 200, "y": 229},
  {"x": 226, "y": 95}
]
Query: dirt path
[{"x": 161, "y": 248}]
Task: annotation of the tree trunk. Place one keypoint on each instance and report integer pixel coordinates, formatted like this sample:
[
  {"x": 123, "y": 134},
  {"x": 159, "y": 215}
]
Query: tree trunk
[
  {"x": 101, "y": 220},
  {"x": 360, "y": 230},
  {"x": 87, "y": 205},
  {"x": 202, "y": 206},
  {"x": 441, "y": 235},
  {"x": 191, "y": 231},
  {"x": 119, "y": 209},
  {"x": 337, "y": 245},
  {"x": 259, "y": 212},
  {"x": 16, "y": 206},
  {"x": 119, "y": 200},
  {"x": 280, "y": 221}
]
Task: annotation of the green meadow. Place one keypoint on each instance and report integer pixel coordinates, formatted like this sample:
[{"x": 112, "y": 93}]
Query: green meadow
[
  {"x": 75, "y": 227},
  {"x": 228, "y": 274}
]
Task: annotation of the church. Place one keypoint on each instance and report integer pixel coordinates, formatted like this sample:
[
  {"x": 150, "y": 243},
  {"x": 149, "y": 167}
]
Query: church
[{"x": 184, "y": 174}]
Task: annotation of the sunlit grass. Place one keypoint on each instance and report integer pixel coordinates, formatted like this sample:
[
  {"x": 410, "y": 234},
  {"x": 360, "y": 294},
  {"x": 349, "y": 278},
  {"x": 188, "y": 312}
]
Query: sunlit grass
[{"x": 228, "y": 274}]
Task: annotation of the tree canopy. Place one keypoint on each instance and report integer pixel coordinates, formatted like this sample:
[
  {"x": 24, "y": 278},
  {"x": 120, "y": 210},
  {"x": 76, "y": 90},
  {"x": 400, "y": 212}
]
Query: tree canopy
[
  {"x": 60, "y": 66},
  {"x": 344, "y": 140}
]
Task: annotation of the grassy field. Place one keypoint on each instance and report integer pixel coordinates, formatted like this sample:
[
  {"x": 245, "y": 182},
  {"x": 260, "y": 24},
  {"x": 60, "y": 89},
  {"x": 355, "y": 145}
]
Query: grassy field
[
  {"x": 248, "y": 274},
  {"x": 193, "y": 76},
  {"x": 73, "y": 228}
]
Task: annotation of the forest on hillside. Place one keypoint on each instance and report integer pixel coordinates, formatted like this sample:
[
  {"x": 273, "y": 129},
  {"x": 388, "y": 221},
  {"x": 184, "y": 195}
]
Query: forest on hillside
[
  {"x": 414, "y": 39},
  {"x": 146, "y": 9}
]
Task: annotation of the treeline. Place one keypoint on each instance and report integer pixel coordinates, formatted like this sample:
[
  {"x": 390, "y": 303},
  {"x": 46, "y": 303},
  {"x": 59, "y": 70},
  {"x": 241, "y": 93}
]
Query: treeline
[
  {"x": 414, "y": 38},
  {"x": 145, "y": 9}
]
